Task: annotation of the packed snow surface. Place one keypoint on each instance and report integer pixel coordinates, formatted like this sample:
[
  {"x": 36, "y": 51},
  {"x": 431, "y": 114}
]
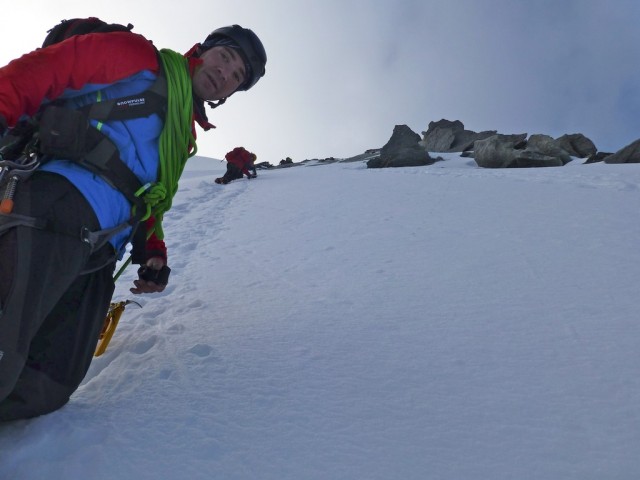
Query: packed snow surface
[{"x": 338, "y": 322}]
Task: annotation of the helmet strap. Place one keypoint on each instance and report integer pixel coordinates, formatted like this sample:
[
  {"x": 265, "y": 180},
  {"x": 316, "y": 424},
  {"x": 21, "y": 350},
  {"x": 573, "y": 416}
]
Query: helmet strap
[{"x": 214, "y": 104}]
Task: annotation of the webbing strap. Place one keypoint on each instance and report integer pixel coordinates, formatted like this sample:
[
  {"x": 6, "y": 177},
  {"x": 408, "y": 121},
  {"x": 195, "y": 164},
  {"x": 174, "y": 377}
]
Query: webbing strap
[
  {"x": 104, "y": 160},
  {"x": 152, "y": 100},
  {"x": 11, "y": 220},
  {"x": 95, "y": 240},
  {"x": 100, "y": 238}
]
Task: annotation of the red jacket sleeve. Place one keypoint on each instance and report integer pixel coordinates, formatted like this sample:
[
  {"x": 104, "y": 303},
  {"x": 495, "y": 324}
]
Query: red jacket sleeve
[
  {"x": 154, "y": 246},
  {"x": 45, "y": 73}
]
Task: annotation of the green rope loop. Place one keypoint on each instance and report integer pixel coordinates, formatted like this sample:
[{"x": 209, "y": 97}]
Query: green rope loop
[{"x": 153, "y": 196}]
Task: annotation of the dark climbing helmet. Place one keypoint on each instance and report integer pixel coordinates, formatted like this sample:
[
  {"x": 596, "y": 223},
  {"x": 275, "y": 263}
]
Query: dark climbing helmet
[{"x": 249, "y": 45}]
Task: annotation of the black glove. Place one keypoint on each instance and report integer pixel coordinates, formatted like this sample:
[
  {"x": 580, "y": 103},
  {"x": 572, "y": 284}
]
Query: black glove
[{"x": 159, "y": 277}]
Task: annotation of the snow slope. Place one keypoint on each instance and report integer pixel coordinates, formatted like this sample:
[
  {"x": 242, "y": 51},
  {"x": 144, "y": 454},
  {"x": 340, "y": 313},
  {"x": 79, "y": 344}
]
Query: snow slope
[{"x": 336, "y": 322}]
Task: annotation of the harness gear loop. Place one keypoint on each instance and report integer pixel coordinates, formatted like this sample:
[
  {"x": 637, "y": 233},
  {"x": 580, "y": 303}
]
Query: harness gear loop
[{"x": 152, "y": 194}]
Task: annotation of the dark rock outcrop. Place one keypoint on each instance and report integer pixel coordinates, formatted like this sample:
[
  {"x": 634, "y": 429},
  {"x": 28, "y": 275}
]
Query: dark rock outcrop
[
  {"x": 497, "y": 151},
  {"x": 451, "y": 136},
  {"x": 402, "y": 150},
  {"x": 547, "y": 146},
  {"x": 511, "y": 151},
  {"x": 577, "y": 145},
  {"x": 488, "y": 148},
  {"x": 629, "y": 154},
  {"x": 504, "y": 151},
  {"x": 598, "y": 157}
]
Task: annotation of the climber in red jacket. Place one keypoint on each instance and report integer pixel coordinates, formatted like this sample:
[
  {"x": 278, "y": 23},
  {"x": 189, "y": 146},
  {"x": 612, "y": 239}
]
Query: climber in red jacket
[{"x": 240, "y": 162}]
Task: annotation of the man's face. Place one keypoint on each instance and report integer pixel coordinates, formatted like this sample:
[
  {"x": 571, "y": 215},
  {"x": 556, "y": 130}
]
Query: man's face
[{"x": 220, "y": 74}]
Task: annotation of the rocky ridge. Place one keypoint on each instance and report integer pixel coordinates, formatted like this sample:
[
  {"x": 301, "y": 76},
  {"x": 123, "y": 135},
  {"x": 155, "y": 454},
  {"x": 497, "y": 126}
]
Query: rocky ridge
[{"x": 489, "y": 149}]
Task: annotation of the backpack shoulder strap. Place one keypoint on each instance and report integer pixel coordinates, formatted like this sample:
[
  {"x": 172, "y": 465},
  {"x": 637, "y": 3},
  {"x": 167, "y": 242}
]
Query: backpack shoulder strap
[{"x": 152, "y": 100}]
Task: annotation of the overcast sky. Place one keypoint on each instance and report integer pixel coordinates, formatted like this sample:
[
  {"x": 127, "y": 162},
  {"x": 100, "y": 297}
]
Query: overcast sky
[{"x": 342, "y": 73}]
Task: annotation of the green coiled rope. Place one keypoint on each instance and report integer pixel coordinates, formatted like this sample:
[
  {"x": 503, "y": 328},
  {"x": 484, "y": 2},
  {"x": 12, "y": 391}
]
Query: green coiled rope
[{"x": 177, "y": 143}]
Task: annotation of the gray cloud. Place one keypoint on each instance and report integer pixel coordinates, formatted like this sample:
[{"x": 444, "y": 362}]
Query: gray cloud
[{"x": 342, "y": 73}]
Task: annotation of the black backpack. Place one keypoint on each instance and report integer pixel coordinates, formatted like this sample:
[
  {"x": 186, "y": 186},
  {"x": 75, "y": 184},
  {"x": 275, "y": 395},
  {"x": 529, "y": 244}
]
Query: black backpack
[{"x": 81, "y": 26}]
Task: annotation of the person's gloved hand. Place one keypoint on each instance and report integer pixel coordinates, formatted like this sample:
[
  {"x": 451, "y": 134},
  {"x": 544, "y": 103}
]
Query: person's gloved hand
[{"x": 152, "y": 277}]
